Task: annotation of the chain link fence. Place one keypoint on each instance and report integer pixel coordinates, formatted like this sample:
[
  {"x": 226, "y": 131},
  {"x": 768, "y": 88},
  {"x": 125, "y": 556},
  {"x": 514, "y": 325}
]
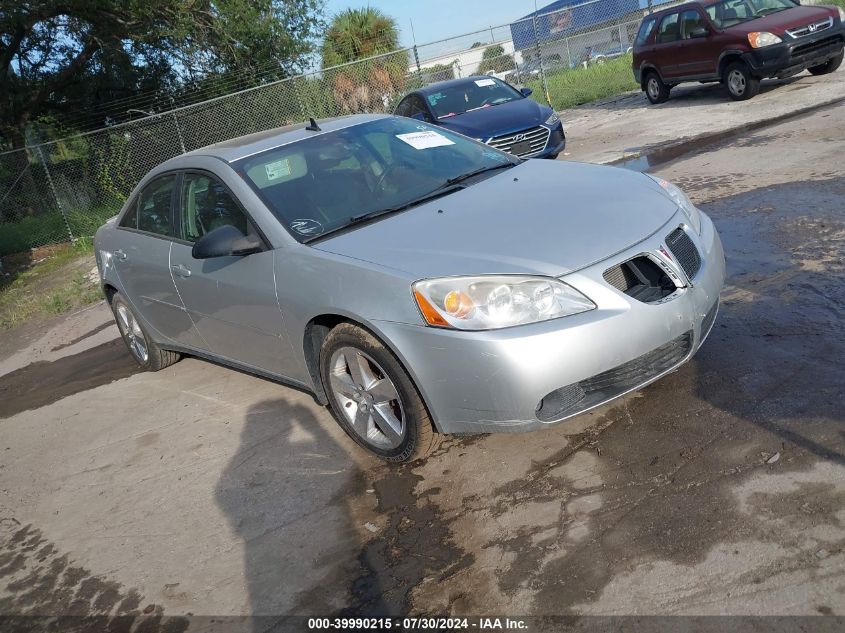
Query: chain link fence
[{"x": 64, "y": 189}]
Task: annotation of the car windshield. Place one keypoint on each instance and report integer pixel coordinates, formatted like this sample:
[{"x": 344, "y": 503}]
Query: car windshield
[
  {"x": 334, "y": 180},
  {"x": 484, "y": 92},
  {"x": 731, "y": 12}
]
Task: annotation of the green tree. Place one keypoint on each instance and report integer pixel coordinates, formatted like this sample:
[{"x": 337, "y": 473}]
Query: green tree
[
  {"x": 359, "y": 34},
  {"x": 66, "y": 57},
  {"x": 494, "y": 58}
]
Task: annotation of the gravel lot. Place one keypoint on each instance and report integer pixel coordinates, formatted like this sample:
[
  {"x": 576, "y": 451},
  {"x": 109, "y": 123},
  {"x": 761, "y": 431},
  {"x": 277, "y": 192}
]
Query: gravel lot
[{"x": 718, "y": 490}]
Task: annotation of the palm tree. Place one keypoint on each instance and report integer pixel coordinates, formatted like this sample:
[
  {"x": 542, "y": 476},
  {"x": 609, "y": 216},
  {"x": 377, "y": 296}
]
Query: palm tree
[{"x": 359, "y": 34}]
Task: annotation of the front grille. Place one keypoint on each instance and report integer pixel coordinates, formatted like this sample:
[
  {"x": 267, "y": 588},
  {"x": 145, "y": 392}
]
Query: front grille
[
  {"x": 812, "y": 28},
  {"x": 593, "y": 391},
  {"x": 684, "y": 251},
  {"x": 537, "y": 138},
  {"x": 818, "y": 45},
  {"x": 641, "y": 279}
]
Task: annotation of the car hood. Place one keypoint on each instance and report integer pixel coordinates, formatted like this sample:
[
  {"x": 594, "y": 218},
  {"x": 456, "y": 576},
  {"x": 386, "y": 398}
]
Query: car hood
[
  {"x": 541, "y": 217},
  {"x": 777, "y": 23},
  {"x": 497, "y": 120}
]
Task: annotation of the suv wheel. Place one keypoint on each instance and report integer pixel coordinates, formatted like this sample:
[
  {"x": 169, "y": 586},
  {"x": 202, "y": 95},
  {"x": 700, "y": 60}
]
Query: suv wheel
[
  {"x": 740, "y": 83},
  {"x": 829, "y": 66},
  {"x": 655, "y": 89},
  {"x": 373, "y": 398}
]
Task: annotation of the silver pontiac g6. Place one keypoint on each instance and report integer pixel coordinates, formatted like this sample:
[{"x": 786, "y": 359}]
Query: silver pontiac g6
[{"x": 414, "y": 280}]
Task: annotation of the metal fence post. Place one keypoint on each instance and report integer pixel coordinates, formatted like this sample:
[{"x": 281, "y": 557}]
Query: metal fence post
[
  {"x": 540, "y": 58},
  {"x": 417, "y": 59},
  {"x": 40, "y": 151},
  {"x": 176, "y": 123}
]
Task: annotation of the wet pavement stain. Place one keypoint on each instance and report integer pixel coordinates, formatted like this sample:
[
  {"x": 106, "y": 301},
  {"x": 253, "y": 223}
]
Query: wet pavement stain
[
  {"x": 42, "y": 383},
  {"x": 46, "y": 590},
  {"x": 87, "y": 335}
]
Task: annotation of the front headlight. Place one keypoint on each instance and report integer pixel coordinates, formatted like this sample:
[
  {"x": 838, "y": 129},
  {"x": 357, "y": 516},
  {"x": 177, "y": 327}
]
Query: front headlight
[
  {"x": 841, "y": 14},
  {"x": 680, "y": 198},
  {"x": 762, "y": 38},
  {"x": 553, "y": 118},
  {"x": 496, "y": 301}
]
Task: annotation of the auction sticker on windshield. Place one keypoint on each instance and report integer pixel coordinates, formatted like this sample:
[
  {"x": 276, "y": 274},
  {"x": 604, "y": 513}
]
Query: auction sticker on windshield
[
  {"x": 484, "y": 82},
  {"x": 424, "y": 140},
  {"x": 277, "y": 169}
]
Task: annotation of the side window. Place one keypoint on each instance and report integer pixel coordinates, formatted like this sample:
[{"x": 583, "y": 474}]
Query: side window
[
  {"x": 404, "y": 108},
  {"x": 207, "y": 205},
  {"x": 690, "y": 20},
  {"x": 645, "y": 31},
  {"x": 155, "y": 205},
  {"x": 668, "y": 31},
  {"x": 417, "y": 106}
]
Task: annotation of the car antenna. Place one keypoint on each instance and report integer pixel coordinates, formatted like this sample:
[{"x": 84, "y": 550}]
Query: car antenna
[{"x": 312, "y": 125}]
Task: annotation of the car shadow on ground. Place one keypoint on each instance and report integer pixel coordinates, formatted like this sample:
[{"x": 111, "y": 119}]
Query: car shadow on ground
[
  {"x": 288, "y": 493},
  {"x": 691, "y": 95}
]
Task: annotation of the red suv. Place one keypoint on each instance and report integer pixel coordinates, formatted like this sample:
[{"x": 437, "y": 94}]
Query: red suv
[{"x": 737, "y": 42}]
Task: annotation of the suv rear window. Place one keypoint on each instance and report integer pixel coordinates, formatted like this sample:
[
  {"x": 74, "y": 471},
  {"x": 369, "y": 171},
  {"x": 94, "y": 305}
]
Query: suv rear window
[{"x": 645, "y": 30}]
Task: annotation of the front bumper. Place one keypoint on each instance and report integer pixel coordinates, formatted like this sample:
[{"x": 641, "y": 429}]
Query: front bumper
[
  {"x": 495, "y": 381},
  {"x": 795, "y": 55}
]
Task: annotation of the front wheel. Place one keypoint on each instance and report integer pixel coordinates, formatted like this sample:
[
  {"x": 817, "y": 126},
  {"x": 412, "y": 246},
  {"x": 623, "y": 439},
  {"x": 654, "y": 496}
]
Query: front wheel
[
  {"x": 372, "y": 397},
  {"x": 739, "y": 81},
  {"x": 829, "y": 66}
]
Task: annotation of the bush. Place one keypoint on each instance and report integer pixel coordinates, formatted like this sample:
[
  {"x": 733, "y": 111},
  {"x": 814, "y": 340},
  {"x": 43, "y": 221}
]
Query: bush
[{"x": 29, "y": 232}]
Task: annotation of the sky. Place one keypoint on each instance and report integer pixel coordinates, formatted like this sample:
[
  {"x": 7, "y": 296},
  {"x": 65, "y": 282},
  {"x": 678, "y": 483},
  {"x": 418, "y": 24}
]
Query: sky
[{"x": 439, "y": 19}]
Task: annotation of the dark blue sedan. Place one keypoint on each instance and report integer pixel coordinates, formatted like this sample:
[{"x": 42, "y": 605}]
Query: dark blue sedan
[{"x": 491, "y": 111}]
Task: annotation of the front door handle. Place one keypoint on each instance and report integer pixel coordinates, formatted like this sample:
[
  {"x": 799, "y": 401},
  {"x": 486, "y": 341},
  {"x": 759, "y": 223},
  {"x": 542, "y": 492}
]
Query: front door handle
[{"x": 181, "y": 270}]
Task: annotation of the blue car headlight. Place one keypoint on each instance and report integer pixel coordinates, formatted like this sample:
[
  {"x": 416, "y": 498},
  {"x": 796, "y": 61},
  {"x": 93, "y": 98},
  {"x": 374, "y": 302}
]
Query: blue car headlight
[{"x": 553, "y": 118}]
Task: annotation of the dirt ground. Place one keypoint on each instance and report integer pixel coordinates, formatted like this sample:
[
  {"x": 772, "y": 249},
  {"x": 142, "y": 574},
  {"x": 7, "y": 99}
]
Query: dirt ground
[{"x": 718, "y": 490}]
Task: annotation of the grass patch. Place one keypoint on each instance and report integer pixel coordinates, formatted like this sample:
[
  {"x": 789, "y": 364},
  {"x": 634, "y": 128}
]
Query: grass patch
[
  {"x": 577, "y": 86},
  {"x": 55, "y": 282}
]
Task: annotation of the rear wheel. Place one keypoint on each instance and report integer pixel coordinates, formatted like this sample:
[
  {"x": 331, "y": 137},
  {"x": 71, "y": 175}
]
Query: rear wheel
[
  {"x": 655, "y": 89},
  {"x": 739, "y": 81},
  {"x": 372, "y": 397},
  {"x": 829, "y": 66},
  {"x": 143, "y": 349}
]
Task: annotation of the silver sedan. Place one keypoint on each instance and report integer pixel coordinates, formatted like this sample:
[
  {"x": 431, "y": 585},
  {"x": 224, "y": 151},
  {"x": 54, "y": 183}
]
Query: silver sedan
[{"x": 415, "y": 281}]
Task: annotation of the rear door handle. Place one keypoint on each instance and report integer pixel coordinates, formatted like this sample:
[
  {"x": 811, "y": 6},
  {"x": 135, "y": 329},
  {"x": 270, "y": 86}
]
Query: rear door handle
[
  {"x": 181, "y": 270},
  {"x": 120, "y": 255}
]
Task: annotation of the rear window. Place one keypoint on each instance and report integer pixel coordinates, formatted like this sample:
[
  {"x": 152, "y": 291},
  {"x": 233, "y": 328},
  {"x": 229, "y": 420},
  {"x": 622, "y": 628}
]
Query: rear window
[{"x": 646, "y": 29}]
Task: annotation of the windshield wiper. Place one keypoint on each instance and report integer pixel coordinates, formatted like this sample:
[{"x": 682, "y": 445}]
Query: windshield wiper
[
  {"x": 442, "y": 190},
  {"x": 475, "y": 172}
]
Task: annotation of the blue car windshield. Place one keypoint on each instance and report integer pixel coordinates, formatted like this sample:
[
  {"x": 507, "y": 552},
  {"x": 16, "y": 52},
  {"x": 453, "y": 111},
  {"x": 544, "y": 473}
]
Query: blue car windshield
[
  {"x": 483, "y": 92},
  {"x": 335, "y": 179}
]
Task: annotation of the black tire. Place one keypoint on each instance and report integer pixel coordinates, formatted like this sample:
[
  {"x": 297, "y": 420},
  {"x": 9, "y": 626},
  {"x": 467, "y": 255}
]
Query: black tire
[
  {"x": 418, "y": 436},
  {"x": 829, "y": 66},
  {"x": 655, "y": 89},
  {"x": 155, "y": 358},
  {"x": 739, "y": 82}
]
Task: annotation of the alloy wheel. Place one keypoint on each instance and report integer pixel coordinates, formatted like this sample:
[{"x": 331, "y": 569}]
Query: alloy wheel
[
  {"x": 367, "y": 398},
  {"x": 132, "y": 333},
  {"x": 653, "y": 88}
]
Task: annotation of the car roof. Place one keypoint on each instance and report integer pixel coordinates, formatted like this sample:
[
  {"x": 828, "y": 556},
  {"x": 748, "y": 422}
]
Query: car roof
[
  {"x": 449, "y": 83},
  {"x": 243, "y": 146},
  {"x": 680, "y": 7}
]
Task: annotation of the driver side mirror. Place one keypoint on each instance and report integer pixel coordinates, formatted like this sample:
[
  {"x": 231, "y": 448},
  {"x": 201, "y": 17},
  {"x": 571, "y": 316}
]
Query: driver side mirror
[
  {"x": 526, "y": 92},
  {"x": 699, "y": 32},
  {"x": 225, "y": 241}
]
